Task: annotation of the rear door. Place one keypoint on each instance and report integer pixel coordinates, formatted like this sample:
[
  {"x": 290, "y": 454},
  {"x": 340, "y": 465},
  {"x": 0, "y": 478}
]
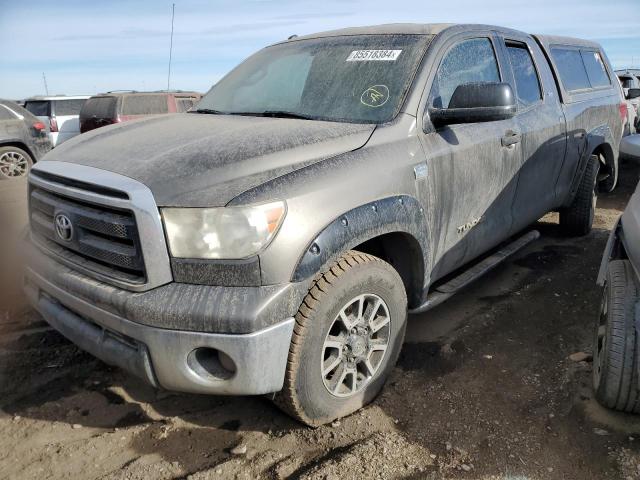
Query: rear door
[
  {"x": 541, "y": 124},
  {"x": 470, "y": 176}
]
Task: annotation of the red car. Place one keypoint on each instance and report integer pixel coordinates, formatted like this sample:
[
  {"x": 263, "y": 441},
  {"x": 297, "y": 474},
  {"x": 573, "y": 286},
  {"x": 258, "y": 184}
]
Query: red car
[{"x": 115, "y": 107}]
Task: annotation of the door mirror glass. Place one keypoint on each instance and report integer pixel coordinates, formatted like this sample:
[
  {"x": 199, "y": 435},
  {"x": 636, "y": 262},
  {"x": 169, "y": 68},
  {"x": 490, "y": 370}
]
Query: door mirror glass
[
  {"x": 633, "y": 93},
  {"x": 476, "y": 102}
]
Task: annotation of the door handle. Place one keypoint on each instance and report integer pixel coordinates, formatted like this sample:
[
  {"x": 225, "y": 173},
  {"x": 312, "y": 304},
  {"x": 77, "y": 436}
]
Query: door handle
[{"x": 511, "y": 138}]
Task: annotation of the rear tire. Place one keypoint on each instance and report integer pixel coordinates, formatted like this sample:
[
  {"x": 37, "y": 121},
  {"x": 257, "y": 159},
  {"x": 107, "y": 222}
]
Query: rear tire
[
  {"x": 14, "y": 162},
  {"x": 576, "y": 220},
  {"x": 615, "y": 349},
  {"x": 351, "y": 311}
]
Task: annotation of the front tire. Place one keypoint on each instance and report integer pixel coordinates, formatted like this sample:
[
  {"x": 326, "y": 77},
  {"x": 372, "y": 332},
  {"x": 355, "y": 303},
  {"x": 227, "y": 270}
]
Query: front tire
[
  {"x": 615, "y": 349},
  {"x": 347, "y": 337},
  {"x": 576, "y": 220}
]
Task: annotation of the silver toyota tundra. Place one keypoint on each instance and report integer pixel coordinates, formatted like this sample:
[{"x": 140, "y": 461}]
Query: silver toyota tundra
[{"x": 273, "y": 239}]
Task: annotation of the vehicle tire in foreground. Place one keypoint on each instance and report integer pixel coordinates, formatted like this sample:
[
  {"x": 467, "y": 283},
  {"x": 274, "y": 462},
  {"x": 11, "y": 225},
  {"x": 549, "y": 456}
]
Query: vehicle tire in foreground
[
  {"x": 577, "y": 219},
  {"x": 14, "y": 162},
  {"x": 346, "y": 340},
  {"x": 615, "y": 357}
]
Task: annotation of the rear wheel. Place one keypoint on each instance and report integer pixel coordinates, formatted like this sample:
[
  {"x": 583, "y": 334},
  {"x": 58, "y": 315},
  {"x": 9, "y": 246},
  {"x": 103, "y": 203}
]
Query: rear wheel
[
  {"x": 347, "y": 337},
  {"x": 577, "y": 218},
  {"x": 615, "y": 349},
  {"x": 14, "y": 162}
]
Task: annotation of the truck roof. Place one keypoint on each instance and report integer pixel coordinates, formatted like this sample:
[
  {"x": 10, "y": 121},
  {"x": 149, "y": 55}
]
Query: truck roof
[
  {"x": 435, "y": 29},
  {"x": 384, "y": 29}
]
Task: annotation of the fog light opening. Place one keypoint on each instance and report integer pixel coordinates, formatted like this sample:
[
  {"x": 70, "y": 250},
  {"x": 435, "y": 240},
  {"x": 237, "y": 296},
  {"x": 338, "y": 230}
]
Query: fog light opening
[{"x": 211, "y": 363}]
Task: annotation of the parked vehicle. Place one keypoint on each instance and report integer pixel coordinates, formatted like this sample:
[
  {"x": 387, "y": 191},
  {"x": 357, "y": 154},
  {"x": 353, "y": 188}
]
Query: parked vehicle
[
  {"x": 272, "y": 240},
  {"x": 115, "y": 107},
  {"x": 23, "y": 140},
  {"x": 60, "y": 113},
  {"x": 630, "y": 82},
  {"x": 616, "y": 359},
  {"x": 630, "y": 147}
]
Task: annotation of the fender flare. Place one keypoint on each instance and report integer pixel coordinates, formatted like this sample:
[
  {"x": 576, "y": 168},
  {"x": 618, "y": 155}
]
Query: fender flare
[
  {"x": 597, "y": 137},
  {"x": 397, "y": 214}
]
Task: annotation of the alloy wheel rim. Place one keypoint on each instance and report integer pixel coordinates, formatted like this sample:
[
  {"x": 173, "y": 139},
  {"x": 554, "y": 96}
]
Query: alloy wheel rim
[
  {"x": 356, "y": 345},
  {"x": 13, "y": 164}
]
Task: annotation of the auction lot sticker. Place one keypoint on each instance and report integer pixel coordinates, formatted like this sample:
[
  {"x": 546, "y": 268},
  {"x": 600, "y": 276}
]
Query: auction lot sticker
[{"x": 374, "y": 55}]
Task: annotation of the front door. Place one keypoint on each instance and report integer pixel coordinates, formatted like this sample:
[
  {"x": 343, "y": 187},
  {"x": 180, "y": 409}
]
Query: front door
[{"x": 472, "y": 171}]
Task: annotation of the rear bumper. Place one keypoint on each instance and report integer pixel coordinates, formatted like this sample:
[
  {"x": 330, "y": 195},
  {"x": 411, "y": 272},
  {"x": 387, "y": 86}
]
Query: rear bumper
[{"x": 163, "y": 357}]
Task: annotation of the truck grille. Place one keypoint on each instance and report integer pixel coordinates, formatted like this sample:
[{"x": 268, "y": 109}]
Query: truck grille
[{"x": 100, "y": 238}]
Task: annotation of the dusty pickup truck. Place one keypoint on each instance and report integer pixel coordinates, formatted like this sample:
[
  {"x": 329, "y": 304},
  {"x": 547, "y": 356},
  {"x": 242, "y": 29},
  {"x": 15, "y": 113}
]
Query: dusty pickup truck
[{"x": 272, "y": 240}]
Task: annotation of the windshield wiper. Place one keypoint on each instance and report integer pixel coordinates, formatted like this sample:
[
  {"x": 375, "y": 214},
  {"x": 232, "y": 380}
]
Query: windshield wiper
[
  {"x": 277, "y": 114},
  {"x": 207, "y": 111}
]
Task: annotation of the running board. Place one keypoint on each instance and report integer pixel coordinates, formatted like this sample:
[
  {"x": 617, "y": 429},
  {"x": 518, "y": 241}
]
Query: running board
[{"x": 447, "y": 290}]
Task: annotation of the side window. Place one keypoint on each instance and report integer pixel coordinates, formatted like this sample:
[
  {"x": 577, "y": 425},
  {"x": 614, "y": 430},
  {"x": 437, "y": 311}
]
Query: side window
[
  {"x": 569, "y": 63},
  {"x": 469, "y": 61},
  {"x": 40, "y": 108},
  {"x": 627, "y": 82},
  {"x": 524, "y": 71},
  {"x": 68, "y": 107},
  {"x": 144, "y": 104},
  {"x": 596, "y": 71},
  {"x": 184, "y": 103}
]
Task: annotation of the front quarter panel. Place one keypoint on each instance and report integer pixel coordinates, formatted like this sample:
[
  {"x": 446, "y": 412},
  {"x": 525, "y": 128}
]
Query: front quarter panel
[{"x": 322, "y": 193}]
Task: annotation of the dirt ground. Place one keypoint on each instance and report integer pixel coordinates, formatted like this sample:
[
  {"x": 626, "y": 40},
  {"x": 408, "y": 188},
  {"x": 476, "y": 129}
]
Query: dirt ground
[{"x": 484, "y": 389}]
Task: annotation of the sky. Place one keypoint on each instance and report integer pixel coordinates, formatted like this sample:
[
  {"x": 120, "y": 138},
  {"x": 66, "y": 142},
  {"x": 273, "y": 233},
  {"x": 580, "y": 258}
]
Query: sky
[{"x": 89, "y": 46}]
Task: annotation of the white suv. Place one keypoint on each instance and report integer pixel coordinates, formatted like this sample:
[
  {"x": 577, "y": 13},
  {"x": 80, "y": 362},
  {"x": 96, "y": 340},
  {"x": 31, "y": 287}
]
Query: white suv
[{"x": 60, "y": 113}]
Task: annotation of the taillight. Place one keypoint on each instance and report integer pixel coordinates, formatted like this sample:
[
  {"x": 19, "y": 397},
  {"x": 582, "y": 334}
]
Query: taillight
[
  {"x": 54, "y": 124},
  {"x": 623, "y": 112},
  {"x": 39, "y": 127}
]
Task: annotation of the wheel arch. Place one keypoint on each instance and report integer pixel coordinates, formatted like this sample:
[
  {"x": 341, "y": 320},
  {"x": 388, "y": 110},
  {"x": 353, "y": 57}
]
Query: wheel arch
[
  {"x": 393, "y": 229},
  {"x": 18, "y": 144},
  {"x": 600, "y": 142}
]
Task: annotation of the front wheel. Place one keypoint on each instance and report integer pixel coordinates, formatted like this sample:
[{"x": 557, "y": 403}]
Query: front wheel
[{"x": 346, "y": 340}]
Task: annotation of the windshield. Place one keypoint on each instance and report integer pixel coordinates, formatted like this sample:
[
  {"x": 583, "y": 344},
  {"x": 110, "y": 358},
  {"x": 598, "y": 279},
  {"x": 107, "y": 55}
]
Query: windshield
[{"x": 361, "y": 79}]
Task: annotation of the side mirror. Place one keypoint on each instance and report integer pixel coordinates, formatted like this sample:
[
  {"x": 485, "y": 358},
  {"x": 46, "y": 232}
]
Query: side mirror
[
  {"x": 633, "y": 93},
  {"x": 476, "y": 102}
]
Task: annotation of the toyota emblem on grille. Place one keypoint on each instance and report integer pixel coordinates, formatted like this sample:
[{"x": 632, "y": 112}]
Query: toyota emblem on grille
[{"x": 64, "y": 227}]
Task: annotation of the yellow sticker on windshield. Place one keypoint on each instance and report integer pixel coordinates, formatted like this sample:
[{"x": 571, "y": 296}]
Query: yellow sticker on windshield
[{"x": 375, "y": 96}]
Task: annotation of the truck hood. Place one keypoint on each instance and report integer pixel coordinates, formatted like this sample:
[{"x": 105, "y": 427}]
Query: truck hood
[{"x": 199, "y": 160}]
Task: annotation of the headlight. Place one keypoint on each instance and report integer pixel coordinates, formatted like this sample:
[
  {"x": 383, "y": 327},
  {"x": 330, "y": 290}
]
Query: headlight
[{"x": 227, "y": 232}]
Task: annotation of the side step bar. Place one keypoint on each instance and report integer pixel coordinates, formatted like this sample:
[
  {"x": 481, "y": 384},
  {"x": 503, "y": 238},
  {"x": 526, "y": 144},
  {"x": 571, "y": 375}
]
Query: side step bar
[{"x": 447, "y": 290}]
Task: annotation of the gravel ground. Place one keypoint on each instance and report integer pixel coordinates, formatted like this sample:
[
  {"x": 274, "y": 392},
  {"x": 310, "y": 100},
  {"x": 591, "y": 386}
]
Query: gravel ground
[{"x": 484, "y": 389}]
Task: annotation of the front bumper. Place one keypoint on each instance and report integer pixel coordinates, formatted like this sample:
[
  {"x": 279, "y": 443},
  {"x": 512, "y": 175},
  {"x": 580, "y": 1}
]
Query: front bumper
[{"x": 163, "y": 357}]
